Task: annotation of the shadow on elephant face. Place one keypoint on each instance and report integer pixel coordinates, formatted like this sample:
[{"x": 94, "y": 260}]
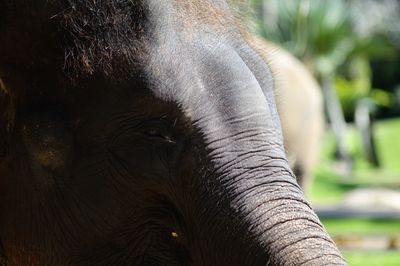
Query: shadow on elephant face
[
  {"x": 117, "y": 175},
  {"x": 136, "y": 136}
]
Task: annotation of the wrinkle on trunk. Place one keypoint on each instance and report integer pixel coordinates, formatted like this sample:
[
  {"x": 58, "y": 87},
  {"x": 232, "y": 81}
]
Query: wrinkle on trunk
[{"x": 287, "y": 228}]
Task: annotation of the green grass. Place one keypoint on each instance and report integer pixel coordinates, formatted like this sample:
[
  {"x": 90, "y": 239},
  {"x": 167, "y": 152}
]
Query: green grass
[
  {"x": 387, "y": 258},
  {"x": 388, "y": 143},
  {"x": 345, "y": 227},
  {"x": 327, "y": 188},
  {"x": 362, "y": 226}
]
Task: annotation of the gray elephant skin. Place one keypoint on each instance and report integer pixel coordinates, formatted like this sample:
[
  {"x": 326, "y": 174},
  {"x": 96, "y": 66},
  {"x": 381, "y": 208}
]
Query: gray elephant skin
[
  {"x": 300, "y": 106},
  {"x": 143, "y": 133}
]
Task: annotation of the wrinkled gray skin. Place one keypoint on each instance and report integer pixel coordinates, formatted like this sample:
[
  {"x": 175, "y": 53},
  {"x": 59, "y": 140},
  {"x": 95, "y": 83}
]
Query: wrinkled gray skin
[
  {"x": 143, "y": 133},
  {"x": 300, "y": 106}
]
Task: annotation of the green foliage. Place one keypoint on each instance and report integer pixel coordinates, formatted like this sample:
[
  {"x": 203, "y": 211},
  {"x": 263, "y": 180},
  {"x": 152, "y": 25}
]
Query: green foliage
[
  {"x": 350, "y": 92},
  {"x": 318, "y": 31},
  {"x": 353, "y": 84},
  {"x": 323, "y": 35}
]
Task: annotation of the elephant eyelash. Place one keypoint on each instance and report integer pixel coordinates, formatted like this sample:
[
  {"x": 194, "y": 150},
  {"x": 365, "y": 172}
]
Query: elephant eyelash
[{"x": 155, "y": 134}]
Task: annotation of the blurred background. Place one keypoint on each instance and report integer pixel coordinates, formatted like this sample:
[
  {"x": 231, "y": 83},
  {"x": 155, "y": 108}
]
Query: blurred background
[{"x": 352, "y": 48}]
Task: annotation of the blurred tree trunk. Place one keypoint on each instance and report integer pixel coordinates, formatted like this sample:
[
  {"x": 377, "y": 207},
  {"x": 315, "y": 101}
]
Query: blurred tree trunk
[
  {"x": 337, "y": 122},
  {"x": 365, "y": 122}
]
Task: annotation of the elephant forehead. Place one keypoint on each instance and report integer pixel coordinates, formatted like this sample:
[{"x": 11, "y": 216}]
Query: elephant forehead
[
  {"x": 95, "y": 36},
  {"x": 207, "y": 73},
  {"x": 216, "y": 89},
  {"x": 203, "y": 71},
  {"x": 115, "y": 38}
]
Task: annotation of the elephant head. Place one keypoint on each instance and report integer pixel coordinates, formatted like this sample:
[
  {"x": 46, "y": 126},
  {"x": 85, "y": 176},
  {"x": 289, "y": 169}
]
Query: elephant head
[{"x": 144, "y": 133}]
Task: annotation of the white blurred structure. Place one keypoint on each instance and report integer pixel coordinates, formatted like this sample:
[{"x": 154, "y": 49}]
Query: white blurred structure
[
  {"x": 377, "y": 16},
  {"x": 373, "y": 198}
]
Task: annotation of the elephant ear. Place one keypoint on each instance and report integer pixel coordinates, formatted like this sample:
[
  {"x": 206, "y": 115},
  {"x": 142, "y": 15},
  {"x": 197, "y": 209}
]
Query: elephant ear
[
  {"x": 6, "y": 118},
  {"x": 255, "y": 56}
]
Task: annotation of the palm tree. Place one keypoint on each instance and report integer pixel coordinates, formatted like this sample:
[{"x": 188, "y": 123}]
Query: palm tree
[{"x": 320, "y": 34}]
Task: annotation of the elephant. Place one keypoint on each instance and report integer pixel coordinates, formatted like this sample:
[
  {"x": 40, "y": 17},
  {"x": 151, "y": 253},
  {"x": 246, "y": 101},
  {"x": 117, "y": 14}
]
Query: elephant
[
  {"x": 144, "y": 133},
  {"x": 300, "y": 106}
]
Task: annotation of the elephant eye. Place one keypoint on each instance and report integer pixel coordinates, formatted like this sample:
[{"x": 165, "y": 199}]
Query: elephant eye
[{"x": 159, "y": 135}]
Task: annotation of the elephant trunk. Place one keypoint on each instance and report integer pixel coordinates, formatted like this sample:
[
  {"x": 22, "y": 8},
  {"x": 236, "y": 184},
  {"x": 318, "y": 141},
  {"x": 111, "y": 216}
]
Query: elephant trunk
[
  {"x": 252, "y": 186},
  {"x": 279, "y": 222},
  {"x": 285, "y": 226},
  {"x": 252, "y": 170},
  {"x": 268, "y": 207}
]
